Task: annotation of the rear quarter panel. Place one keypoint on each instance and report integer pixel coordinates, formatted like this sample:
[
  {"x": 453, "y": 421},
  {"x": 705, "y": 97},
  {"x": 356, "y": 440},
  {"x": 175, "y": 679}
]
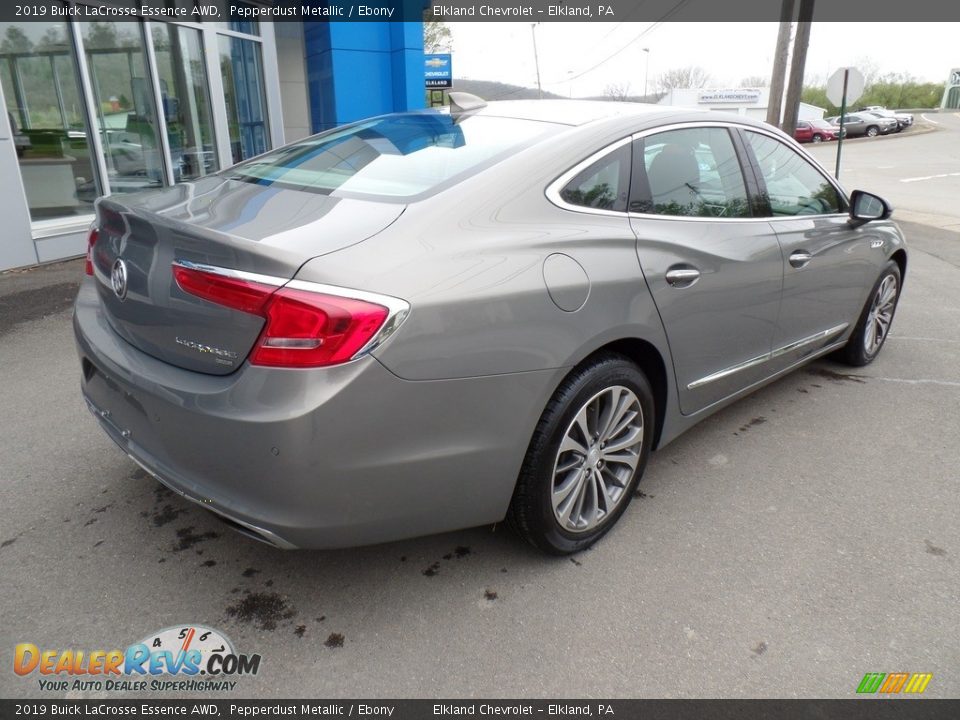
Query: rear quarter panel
[{"x": 470, "y": 261}]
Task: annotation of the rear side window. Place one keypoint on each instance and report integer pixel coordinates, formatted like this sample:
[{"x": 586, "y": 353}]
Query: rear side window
[
  {"x": 397, "y": 156},
  {"x": 692, "y": 172},
  {"x": 793, "y": 185},
  {"x": 604, "y": 185}
]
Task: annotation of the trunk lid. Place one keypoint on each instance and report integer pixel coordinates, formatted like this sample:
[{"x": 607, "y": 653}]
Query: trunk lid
[{"x": 226, "y": 223}]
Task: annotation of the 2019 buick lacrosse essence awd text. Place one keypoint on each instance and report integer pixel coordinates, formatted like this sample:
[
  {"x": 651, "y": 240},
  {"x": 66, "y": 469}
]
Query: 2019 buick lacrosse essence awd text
[{"x": 433, "y": 320}]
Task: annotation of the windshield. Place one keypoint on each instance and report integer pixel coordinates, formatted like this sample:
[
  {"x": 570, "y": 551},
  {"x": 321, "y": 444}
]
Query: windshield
[{"x": 393, "y": 157}]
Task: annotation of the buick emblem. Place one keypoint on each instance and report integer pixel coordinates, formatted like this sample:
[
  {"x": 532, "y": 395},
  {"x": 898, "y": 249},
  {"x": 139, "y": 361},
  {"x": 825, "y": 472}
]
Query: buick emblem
[{"x": 118, "y": 279}]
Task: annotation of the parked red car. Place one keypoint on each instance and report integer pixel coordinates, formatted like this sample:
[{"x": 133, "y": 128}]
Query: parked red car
[{"x": 815, "y": 131}]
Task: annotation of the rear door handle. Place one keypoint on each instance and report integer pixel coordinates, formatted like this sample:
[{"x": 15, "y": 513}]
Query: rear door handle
[
  {"x": 800, "y": 258},
  {"x": 682, "y": 277}
]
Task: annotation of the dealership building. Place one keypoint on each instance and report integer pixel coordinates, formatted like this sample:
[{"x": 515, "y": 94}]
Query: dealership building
[
  {"x": 749, "y": 102},
  {"x": 97, "y": 107}
]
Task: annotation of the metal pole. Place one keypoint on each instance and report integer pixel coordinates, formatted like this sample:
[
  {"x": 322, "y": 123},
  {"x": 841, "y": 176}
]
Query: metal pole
[
  {"x": 536, "y": 59},
  {"x": 843, "y": 111},
  {"x": 646, "y": 73}
]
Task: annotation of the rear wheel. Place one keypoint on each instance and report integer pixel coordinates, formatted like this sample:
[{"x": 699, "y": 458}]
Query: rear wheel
[
  {"x": 586, "y": 456},
  {"x": 873, "y": 131},
  {"x": 874, "y": 324}
]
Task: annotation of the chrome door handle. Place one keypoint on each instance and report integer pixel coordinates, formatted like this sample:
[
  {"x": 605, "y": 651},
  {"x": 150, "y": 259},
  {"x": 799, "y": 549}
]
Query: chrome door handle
[
  {"x": 800, "y": 258},
  {"x": 682, "y": 277}
]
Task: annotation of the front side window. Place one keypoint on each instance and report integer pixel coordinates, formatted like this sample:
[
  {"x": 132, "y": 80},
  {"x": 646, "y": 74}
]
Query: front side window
[
  {"x": 691, "y": 172},
  {"x": 392, "y": 157},
  {"x": 793, "y": 185},
  {"x": 603, "y": 185}
]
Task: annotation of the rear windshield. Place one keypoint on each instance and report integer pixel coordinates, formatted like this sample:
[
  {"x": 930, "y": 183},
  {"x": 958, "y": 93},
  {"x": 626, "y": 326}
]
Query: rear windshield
[{"x": 393, "y": 157}]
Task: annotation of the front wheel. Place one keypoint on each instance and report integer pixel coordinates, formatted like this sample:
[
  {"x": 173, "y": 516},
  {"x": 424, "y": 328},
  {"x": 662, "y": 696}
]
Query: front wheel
[
  {"x": 586, "y": 456},
  {"x": 873, "y": 131},
  {"x": 818, "y": 138},
  {"x": 874, "y": 323}
]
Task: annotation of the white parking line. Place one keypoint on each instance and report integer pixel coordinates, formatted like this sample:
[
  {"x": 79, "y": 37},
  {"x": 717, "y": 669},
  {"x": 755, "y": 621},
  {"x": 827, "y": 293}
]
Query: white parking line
[
  {"x": 929, "y": 177},
  {"x": 923, "y": 339},
  {"x": 908, "y": 381},
  {"x": 928, "y": 119}
]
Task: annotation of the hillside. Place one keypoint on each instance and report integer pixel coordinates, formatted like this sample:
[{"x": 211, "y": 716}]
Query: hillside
[{"x": 492, "y": 90}]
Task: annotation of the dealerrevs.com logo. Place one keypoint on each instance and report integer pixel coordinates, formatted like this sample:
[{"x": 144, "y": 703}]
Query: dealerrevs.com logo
[{"x": 188, "y": 658}]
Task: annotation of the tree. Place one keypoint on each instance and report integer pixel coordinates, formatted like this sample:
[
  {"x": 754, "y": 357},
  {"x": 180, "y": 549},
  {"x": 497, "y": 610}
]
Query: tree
[
  {"x": 15, "y": 41},
  {"x": 100, "y": 36},
  {"x": 52, "y": 39},
  {"x": 692, "y": 76},
  {"x": 436, "y": 35},
  {"x": 617, "y": 91},
  {"x": 754, "y": 81}
]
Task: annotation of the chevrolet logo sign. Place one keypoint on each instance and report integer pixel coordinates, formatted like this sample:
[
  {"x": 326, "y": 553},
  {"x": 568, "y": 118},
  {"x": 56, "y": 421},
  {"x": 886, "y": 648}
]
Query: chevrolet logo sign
[{"x": 435, "y": 62}]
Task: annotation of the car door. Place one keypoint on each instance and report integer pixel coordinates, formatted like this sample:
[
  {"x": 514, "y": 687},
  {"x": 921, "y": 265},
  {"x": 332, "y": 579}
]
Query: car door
[
  {"x": 827, "y": 264},
  {"x": 714, "y": 271},
  {"x": 854, "y": 125}
]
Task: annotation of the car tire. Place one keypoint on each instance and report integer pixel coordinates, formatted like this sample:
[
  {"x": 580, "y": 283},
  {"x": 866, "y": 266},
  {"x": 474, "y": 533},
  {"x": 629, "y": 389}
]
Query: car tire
[
  {"x": 571, "y": 489},
  {"x": 817, "y": 138},
  {"x": 873, "y": 131},
  {"x": 873, "y": 325}
]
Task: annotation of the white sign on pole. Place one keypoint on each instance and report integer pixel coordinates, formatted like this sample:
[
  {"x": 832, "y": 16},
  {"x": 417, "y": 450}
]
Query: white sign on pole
[{"x": 855, "y": 84}]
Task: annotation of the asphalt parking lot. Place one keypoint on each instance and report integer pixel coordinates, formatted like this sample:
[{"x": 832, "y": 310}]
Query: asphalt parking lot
[{"x": 785, "y": 547}]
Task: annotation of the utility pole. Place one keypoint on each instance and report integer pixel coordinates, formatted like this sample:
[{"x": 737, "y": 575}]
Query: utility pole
[
  {"x": 797, "y": 65},
  {"x": 775, "y": 104},
  {"x": 536, "y": 58},
  {"x": 646, "y": 72}
]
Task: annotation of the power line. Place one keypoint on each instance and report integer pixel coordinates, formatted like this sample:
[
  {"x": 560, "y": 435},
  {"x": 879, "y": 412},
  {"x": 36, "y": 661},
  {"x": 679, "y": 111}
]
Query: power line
[{"x": 672, "y": 11}]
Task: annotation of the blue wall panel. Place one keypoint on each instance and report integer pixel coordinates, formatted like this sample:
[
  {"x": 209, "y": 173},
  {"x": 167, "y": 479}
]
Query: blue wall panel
[{"x": 355, "y": 70}]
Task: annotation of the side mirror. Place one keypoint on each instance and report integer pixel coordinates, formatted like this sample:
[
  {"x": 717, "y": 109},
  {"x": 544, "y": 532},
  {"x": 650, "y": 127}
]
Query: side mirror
[{"x": 865, "y": 207}]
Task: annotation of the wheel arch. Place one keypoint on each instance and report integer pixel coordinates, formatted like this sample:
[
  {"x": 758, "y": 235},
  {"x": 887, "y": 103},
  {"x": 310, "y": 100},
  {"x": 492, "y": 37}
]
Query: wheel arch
[
  {"x": 900, "y": 258},
  {"x": 649, "y": 359}
]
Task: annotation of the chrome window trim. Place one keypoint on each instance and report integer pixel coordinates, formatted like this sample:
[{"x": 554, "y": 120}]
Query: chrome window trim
[
  {"x": 760, "y": 359},
  {"x": 397, "y": 309},
  {"x": 553, "y": 189}
]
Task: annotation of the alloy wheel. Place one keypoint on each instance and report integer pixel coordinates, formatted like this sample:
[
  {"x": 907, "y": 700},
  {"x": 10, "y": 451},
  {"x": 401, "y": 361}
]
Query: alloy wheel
[
  {"x": 597, "y": 459},
  {"x": 880, "y": 315}
]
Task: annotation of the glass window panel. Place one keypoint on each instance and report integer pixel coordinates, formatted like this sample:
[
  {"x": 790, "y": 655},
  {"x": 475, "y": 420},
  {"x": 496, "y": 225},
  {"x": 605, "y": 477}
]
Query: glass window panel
[
  {"x": 242, "y": 70},
  {"x": 250, "y": 27},
  {"x": 186, "y": 100},
  {"x": 603, "y": 185},
  {"x": 46, "y": 117},
  {"x": 125, "y": 112},
  {"x": 692, "y": 172},
  {"x": 793, "y": 185},
  {"x": 395, "y": 156}
]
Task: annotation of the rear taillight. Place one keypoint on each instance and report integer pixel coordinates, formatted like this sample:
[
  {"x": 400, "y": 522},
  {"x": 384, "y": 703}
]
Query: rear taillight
[
  {"x": 240, "y": 294},
  {"x": 91, "y": 241},
  {"x": 304, "y": 327}
]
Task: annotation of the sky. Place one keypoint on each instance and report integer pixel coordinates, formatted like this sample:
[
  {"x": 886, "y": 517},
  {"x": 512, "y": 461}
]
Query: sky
[{"x": 730, "y": 52}]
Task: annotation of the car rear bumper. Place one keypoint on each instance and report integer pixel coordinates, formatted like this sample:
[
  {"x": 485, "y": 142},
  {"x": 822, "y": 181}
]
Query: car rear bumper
[{"x": 328, "y": 457}]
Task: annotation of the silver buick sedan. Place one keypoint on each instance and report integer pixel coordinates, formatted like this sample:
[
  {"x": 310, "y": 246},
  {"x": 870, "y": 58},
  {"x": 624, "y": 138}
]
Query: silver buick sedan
[{"x": 434, "y": 320}]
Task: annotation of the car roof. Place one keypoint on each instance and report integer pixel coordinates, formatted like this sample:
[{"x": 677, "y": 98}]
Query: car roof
[{"x": 574, "y": 112}]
